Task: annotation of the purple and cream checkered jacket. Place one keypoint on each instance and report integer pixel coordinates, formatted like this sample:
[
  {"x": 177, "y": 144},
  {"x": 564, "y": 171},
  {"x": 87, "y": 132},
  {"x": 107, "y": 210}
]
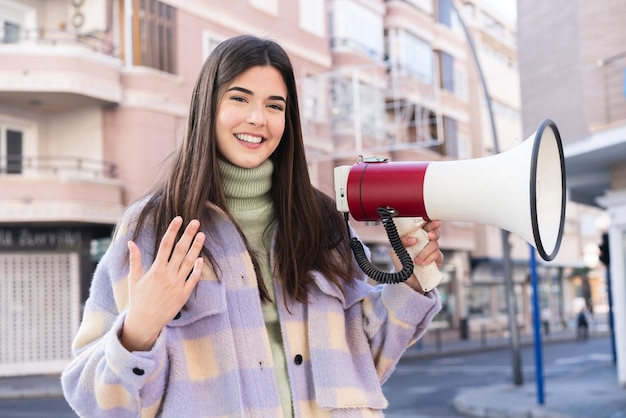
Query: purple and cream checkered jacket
[{"x": 214, "y": 359}]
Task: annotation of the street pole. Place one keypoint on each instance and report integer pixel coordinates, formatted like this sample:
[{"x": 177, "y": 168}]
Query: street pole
[
  {"x": 537, "y": 326},
  {"x": 506, "y": 247}
]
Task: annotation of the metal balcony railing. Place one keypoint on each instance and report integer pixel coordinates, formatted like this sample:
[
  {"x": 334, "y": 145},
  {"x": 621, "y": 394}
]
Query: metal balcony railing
[
  {"x": 46, "y": 36},
  {"x": 57, "y": 166},
  {"x": 614, "y": 87}
]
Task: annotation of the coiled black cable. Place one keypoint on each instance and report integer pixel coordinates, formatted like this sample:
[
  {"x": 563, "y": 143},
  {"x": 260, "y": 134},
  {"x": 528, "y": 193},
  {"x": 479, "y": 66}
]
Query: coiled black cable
[{"x": 386, "y": 215}]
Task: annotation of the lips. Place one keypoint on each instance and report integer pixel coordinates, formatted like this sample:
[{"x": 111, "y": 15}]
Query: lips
[{"x": 252, "y": 139}]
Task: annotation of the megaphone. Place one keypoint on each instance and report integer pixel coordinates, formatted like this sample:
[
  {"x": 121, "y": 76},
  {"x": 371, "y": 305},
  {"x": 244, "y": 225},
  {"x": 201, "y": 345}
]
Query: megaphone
[{"x": 521, "y": 190}]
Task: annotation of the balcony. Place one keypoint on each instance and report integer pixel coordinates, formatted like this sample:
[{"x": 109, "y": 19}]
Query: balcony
[
  {"x": 59, "y": 189},
  {"x": 612, "y": 71},
  {"x": 55, "y": 70}
]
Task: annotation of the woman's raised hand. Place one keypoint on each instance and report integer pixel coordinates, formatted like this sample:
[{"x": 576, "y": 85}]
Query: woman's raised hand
[{"x": 156, "y": 296}]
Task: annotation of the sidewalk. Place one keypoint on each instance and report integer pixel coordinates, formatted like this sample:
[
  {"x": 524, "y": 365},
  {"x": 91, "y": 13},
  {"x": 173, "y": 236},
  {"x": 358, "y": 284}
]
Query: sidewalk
[{"x": 592, "y": 393}]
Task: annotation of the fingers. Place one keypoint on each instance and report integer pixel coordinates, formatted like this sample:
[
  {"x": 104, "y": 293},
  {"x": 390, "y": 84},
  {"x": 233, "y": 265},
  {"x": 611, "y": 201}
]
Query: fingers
[
  {"x": 429, "y": 252},
  {"x": 431, "y": 225},
  {"x": 134, "y": 255},
  {"x": 167, "y": 242},
  {"x": 195, "y": 275},
  {"x": 192, "y": 257},
  {"x": 438, "y": 258},
  {"x": 183, "y": 245},
  {"x": 432, "y": 228},
  {"x": 184, "y": 262},
  {"x": 434, "y": 233},
  {"x": 174, "y": 252},
  {"x": 408, "y": 240}
]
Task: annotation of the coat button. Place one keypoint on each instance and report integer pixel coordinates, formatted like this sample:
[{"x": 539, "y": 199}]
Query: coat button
[
  {"x": 298, "y": 359},
  {"x": 138, "y": 371}
]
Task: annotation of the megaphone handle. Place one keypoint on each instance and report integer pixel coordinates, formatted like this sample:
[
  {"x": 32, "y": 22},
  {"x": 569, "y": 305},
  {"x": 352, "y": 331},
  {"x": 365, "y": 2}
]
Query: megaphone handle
[{"x": 429, "y": 275}]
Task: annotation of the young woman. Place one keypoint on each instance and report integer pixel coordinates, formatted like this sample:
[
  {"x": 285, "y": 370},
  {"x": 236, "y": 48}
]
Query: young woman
[{"x": 231, "y": 289}]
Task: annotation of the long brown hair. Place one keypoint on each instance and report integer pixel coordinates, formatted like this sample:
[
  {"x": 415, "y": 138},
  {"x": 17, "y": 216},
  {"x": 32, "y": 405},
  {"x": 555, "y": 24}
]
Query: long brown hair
[{"x": 311, "y": 234}]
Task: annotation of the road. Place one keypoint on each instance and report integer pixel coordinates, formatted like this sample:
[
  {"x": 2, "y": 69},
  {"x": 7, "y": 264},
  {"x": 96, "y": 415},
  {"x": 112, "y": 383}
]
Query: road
[
  {"x": 422, "y": 387},
  {"x": 35, "y": 408},
  {"x": 425, "y": 387}
]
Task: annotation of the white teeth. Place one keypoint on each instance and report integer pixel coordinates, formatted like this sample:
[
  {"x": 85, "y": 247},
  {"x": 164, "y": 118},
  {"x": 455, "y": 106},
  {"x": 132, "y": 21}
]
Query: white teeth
[{"x": 249, "y": 138}]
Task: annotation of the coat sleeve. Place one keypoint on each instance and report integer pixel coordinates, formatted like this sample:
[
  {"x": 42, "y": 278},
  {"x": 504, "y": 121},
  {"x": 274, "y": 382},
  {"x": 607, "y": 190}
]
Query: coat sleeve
[
  {"x": 394, "y": 317},
  {"x": 104, "y": 379}
]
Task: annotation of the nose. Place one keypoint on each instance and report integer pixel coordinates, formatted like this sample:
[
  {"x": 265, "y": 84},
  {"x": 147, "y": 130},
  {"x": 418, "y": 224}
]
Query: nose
[{"x": 257, "y": 117}]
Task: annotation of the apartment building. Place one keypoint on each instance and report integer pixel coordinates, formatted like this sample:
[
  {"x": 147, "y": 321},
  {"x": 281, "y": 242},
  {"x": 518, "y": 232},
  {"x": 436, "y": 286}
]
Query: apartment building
[
  {"x": 399, "y": 89},
  {"x": 572, "y": 60},
  {"x": 93, "y": 99}
]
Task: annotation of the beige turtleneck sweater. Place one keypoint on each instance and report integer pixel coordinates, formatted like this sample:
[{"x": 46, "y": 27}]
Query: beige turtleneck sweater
[{"x": 250, "y": 203}]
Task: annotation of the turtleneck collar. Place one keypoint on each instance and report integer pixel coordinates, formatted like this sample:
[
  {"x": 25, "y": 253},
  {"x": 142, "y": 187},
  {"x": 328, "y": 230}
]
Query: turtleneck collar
[{"x": 246, "y": 188}]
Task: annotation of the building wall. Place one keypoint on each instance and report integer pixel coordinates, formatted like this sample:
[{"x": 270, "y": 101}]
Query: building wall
[
  {"x": 571, "y": 66},
  {"x": 558, "y": 77}
]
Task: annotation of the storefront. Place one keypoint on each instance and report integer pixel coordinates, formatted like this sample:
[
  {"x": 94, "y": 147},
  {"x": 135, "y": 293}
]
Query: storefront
[{"x": 45, "y": 271}]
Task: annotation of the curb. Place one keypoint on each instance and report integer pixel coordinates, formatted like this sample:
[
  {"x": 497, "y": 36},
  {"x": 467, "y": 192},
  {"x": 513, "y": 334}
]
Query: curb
[{"x": 466, "y": 404}]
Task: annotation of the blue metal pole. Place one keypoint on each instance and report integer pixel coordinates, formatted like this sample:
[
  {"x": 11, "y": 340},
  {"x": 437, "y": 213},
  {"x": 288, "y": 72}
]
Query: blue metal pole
[
  {"x": 611, "y": 323},
  {"x": 537, "y": 327}
]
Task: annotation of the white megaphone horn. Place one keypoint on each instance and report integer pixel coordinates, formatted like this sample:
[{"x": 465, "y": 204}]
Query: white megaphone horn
[{"x": 521, "y": 190}]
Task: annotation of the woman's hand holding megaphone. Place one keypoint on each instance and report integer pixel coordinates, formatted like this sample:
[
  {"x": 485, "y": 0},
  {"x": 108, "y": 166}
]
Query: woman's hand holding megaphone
[{"x": 421, "y": 241}]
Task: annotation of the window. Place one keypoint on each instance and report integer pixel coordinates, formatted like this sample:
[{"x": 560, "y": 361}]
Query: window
[
  {"x": 423, "y": 126},
  {"x": 153, "y": 35},
  {"x": 209, "y": 42},
  {"x": 11, "y": 151},
  {"x": 450, "y": 145},
  {"x": 417, "y": 57},
  {"x": 505, "y": 110},
  {"x": 312, "y": 92},
  {"x": 444, "y": 12},
  {"x": 372, "y": 109},
  {"x": 18, "y": 21},
  {"x": 492, "y": 25},
  {"x": 451, "y": 137},
  {"x": 479, "y": 301},
  {"x": 447, "y": 15},
  {"x": 312, "y": 16},
  {"x": 358, "y": 29},
  {"x": 446, "y": 68},
  {"x": 10, "y": 33},
  {"x": 357, "y": 104}
]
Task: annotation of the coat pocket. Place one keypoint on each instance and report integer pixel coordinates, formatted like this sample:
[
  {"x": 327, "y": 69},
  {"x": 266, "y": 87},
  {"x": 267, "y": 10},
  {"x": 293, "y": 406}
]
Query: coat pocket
[
  {"x": 208, "y": 298},
  {"x": 344, "y": 374}
]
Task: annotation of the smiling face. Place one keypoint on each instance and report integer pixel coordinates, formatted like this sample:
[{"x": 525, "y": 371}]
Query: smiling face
[{"x": 251, "y": 117}]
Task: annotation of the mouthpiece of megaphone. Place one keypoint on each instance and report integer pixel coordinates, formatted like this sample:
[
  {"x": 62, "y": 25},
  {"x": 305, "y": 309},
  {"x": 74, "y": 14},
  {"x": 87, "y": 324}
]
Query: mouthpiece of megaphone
[{"x": 521, "y": 190}]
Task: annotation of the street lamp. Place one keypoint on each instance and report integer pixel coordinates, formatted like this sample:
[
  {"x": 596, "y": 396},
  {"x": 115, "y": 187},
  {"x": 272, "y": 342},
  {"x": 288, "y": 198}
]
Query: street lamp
[{"x": 506, "y": 246}]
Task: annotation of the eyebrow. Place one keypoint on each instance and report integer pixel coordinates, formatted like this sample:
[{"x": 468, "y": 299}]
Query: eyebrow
[{"x": 246, "y": 91}]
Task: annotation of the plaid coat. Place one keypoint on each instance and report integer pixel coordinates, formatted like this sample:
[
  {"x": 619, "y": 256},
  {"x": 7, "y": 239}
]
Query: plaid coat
[{"x": 214, "y": 359}]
